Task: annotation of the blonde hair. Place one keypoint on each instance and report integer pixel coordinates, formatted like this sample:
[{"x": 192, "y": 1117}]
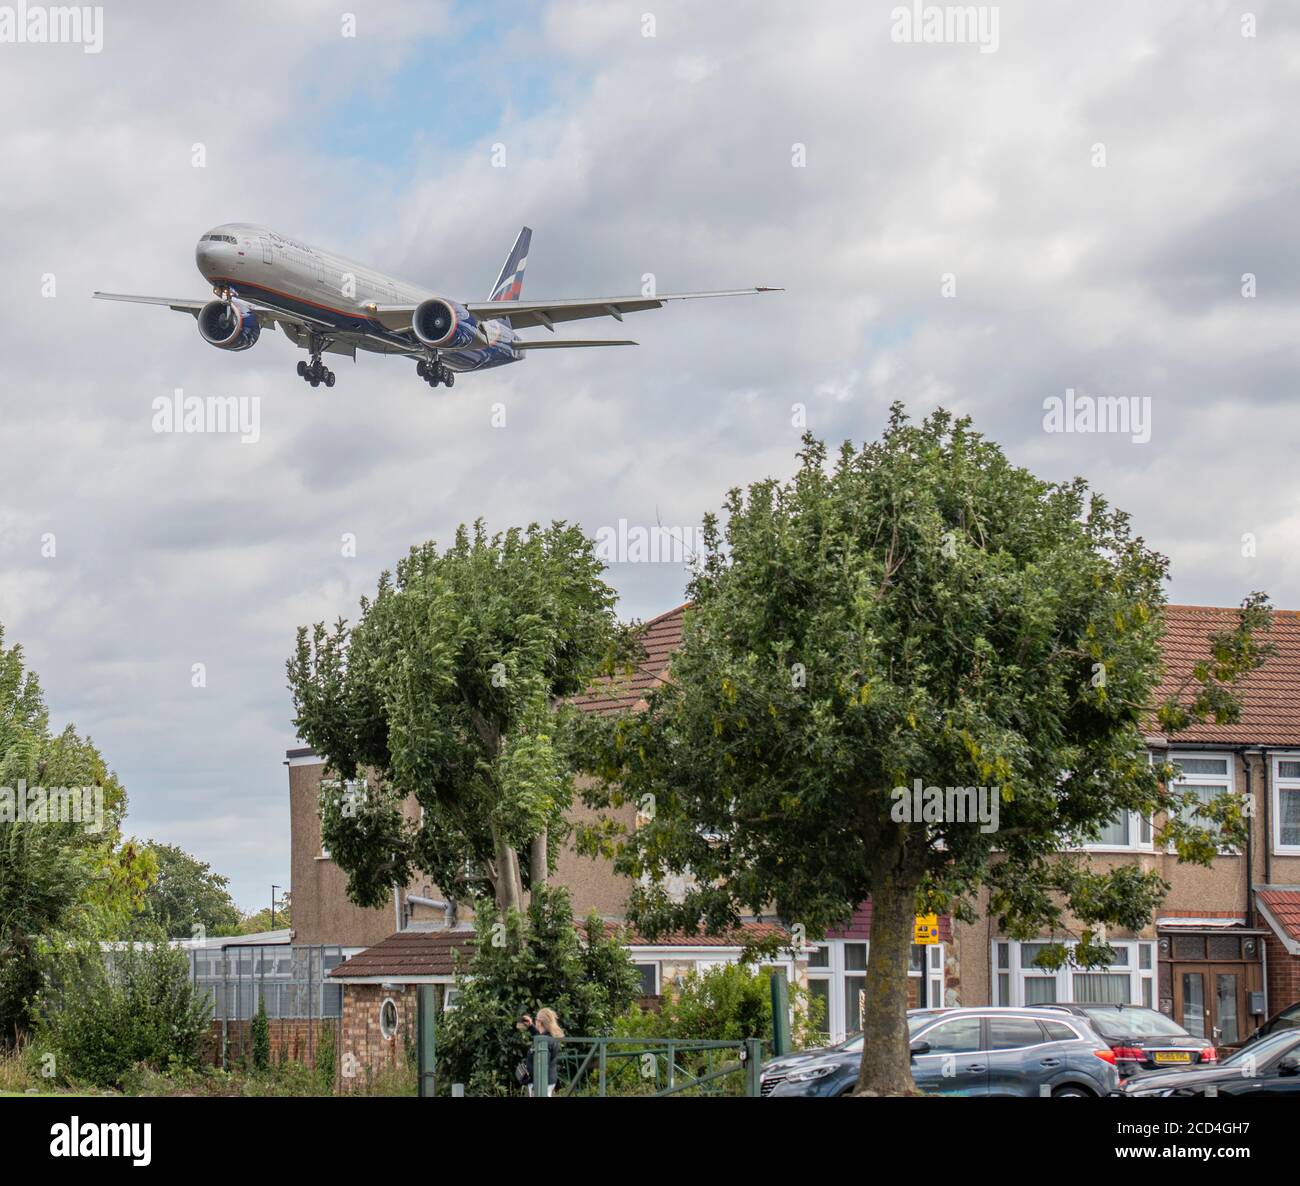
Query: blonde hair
[{"x": 548, "y": 1021}]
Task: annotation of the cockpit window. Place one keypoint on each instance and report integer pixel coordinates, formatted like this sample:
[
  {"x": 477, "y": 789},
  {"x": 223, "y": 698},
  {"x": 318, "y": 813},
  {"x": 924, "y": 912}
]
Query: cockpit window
[{"x": 220, "y": 238}]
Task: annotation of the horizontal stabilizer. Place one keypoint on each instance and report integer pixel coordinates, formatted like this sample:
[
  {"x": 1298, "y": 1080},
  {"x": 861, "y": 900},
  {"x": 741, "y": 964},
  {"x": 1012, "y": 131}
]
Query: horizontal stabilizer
[{"x": 568, "y": 345}]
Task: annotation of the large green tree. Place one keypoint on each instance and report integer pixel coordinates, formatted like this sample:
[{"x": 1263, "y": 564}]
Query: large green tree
[
  {"x": 186, "y": 894},
  {"x": 443, "y": 690},
  {"x": 65, "y": 871},
  {"x": 922, "y": 609}
]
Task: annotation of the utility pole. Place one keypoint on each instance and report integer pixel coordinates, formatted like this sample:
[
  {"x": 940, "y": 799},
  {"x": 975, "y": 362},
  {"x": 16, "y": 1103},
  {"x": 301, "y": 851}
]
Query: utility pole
[{"x": 273, "y": 889}]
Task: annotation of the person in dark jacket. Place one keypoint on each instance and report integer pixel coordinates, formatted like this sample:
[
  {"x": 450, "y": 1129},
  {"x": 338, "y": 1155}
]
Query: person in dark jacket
[{"x": 547, "y": 1025}]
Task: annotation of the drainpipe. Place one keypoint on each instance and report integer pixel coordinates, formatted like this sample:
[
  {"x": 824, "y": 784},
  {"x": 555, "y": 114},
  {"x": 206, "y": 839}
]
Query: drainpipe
[
  {"x": 1268, "y": 817},
  {"x": 448, "y": 908},
  {"x": 397, "y": 904},
  {"x": 1248, "y": 757}
]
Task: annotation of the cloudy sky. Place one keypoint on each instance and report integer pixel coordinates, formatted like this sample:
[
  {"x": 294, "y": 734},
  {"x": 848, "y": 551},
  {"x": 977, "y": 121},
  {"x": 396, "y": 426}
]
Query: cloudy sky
[{"x": 1095, "y": 188}]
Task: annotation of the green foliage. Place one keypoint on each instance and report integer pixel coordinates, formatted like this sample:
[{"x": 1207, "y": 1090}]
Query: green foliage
[
  {"x": 326, "y": 1058},
  {"x": 921, "y": 610},
  {"x": 186, "y": 895},
  {"x": 723, "y": 1004},
  {"x": 101, "y": 1013},
  {"x": 443, "y": 690},
  {"x": 261, "y": 1031},
  {"x": 524, "y": 962},
  {"x": 59, "y": 878}
]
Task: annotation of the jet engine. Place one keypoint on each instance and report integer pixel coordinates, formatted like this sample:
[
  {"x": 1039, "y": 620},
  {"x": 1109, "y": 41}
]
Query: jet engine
[
  {"x": 229, "y": 326},
  {"x": 444, "y": 324}
]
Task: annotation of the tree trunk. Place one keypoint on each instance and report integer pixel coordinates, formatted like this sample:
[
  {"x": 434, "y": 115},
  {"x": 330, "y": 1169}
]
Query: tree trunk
[
  {"x": 537, "y": 861},
  {"x": 886, "y": 1061},
  {"x": 509, "y": 885}
]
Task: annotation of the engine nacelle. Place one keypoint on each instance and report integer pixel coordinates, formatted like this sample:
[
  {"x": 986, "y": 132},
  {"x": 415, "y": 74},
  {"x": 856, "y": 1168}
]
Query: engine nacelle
[
  {"x": 232, "y": 326},
  {"x": 444, "y": 324}
]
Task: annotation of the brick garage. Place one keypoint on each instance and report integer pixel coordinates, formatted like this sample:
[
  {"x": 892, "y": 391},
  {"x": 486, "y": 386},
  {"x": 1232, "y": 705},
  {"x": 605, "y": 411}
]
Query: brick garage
[{"x": 1279, "y": 906}]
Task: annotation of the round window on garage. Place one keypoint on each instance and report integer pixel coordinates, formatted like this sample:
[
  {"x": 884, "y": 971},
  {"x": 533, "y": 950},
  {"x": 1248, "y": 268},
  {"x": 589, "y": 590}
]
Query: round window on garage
[{"x": 388, "y": 1017}]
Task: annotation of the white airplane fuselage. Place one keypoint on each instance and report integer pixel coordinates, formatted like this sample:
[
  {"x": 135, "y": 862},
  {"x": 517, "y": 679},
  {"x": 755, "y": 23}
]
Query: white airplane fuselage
[{"x": 274, "y": 270}]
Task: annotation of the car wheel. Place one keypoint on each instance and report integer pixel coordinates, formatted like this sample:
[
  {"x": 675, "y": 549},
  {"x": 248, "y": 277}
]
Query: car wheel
[{"x": 1070, "y": 1090}]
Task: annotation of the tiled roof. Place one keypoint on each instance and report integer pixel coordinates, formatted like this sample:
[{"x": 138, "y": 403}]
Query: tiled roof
[
  {"x": 408, "y": 953},
  {"x": 1283, "y": 904},
  {"x": 1270, "y": 695},
  {"x": 429, "y": 953},
  {"x": 660, "y": 637}
]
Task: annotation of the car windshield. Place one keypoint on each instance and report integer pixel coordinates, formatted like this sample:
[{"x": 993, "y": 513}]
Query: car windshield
[
  {"x": 1264, "y": 1049},
  {"x": 1133, "y": 1023}
]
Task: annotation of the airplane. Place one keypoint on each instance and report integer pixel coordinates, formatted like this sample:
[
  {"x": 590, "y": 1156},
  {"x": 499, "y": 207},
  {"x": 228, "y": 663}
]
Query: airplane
[{"x": 328, "y": 304}]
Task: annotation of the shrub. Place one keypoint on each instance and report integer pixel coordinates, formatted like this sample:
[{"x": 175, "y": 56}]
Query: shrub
[
  {"x": 100, "y": 1013},
  {"x": 326, "y": 1056},
  {"x": 261, "y": 1037},
  {"x": 526, "y": 961}
]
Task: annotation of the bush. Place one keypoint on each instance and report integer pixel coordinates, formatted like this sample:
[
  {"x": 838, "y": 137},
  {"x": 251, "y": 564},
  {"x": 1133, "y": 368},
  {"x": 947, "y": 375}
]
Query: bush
[
  {"x": 326, "y": 1056},
  {"x": 261, "y": 1037},
  {"x": 526, "y": 961},
  {"x": 100, "y": 1014},
  {"x": 726, "y": 1003}
]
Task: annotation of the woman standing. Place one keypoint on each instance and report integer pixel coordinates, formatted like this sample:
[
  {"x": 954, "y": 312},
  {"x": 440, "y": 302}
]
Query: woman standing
[{"x": 546, "y": 1025}]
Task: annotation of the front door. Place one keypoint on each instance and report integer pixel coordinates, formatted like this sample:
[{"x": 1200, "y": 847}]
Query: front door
[{"x": 1210, "y": 1001}]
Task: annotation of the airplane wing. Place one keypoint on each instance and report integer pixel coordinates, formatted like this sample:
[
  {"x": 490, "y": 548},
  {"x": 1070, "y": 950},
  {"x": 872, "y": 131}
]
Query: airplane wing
[
  {"x": 525, "y": 313},
  {"x": 570, "y": 344},
  {"x": 265, "y": 316}
]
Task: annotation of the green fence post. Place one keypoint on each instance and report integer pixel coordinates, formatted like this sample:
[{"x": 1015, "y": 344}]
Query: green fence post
[
  {"x": 753, "y": 1066},
  {"x": 539, "y": 1065},
  {"x": 426, "y": 1015},
  {"x": 780, "y": 1013},
  {"x": 603, "y": 1048}
]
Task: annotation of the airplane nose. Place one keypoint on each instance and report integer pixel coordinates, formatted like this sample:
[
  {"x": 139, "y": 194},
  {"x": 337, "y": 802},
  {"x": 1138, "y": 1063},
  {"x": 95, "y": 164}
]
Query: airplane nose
[{"x": 205, "y": 255}]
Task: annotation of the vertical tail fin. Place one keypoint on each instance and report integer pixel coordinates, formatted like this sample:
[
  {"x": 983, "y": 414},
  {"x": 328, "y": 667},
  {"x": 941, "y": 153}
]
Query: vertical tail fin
[{"x": 510, "y": 282}]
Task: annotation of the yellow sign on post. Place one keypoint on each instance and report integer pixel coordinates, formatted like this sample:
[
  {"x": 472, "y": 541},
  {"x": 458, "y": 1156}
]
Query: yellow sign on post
[{"x": 926, "y": 929}]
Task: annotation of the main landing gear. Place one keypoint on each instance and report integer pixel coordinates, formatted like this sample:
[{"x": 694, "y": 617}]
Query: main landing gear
[
  {"x": 316, "y": 372},
  {"x": 434, "y": 373}
]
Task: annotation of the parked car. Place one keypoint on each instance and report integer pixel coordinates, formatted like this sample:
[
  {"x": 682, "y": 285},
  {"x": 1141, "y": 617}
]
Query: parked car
[
  {"x": 991, "y": 1051},
  {"x": 775, "y": 1070},
  {"x": 1143, "y": 1039},
  {"x": 1270, "y": 1066},
  {"x": 1286, "y": 1019}
]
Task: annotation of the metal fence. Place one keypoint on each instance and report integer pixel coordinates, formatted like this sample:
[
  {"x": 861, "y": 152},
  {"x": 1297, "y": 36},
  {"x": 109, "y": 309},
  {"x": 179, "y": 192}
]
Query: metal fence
[
  {"x": 651, "y": 1067},
  {"x": 291, "y": 980}
]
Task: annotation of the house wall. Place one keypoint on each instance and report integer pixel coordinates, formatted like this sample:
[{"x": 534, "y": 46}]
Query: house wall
[
  {"x": 1220, "y": 890},
  {"x": 322, "y": 912},
  {"x": 363, "y": 1048},
  {"x": 291, "y": 1039}
]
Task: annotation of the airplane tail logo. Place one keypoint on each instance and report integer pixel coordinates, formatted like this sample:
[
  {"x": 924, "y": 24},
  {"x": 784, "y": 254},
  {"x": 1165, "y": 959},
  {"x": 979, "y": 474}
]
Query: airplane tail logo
[{"x": 511, "y": 281}]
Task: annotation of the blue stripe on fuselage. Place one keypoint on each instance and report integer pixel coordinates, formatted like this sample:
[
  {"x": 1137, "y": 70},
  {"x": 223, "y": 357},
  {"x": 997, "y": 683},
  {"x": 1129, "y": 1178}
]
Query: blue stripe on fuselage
[{"x": 354, "y": 323}]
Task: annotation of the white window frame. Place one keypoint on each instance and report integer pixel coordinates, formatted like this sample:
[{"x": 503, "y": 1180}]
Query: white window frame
[
  {"x": 1278, "y": 784},
  {"x": 1018, "y": 972},
  {"x": 1136, "y": 820},
  {"x": 657, "y": 966},
  {"x": 1176, "y": 758},
  {"x": 835, "y": 970}
]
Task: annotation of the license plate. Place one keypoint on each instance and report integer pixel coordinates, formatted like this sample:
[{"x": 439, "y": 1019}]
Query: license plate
[{"x": 1172, "y": 1056}]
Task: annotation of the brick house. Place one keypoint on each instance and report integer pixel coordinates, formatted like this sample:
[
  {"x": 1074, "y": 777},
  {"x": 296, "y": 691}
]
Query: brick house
[{"x": 1220, "y": 955}]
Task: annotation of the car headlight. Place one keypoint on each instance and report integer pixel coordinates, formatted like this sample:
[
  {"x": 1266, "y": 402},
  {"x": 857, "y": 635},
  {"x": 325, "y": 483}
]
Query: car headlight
[{"x": 810, "y": 1073}]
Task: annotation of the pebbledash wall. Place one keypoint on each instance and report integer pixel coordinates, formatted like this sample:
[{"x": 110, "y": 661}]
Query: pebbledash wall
[{"x": 1214, "y": 956}]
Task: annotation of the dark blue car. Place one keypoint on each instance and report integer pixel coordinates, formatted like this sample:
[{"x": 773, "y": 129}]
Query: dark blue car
[{"x": 990, "y": 1051}]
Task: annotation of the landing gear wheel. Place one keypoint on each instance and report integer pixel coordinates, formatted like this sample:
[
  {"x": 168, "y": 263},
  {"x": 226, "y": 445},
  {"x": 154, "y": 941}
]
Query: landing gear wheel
[
  {"x": 422, "y": 369},
  {"x": 329, "y": 378},
  {"x": 449, "y": 377},
  {"x": 302, "y": 368}
]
